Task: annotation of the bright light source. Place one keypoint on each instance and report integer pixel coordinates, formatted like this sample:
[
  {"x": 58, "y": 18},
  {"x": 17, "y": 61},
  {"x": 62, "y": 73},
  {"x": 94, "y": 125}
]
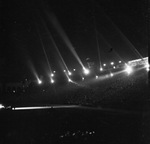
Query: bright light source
[
  {"x": 52, "y": 81},
  {"x": 111, "y": 74},
  {"x": 112, "y": 63},
  {"x": 82, "y": 78},
  {"x": 69, "y": 80},
  {"x": 74, "y": 69},
  {"x": 119, "y": 61},
  {"x": 1, "y": 106},
  {"x": 64, "y": 70},
  {"x": 54, "y": 71},
  {"x": 96, "y": 77},
  {"x": 147, "y": 67},
  {"x": 52, "y": 75},
  {"x": 69, "y": 73},
  {"x": 128, "y": 69},
  {"x": 101, "y": 69},
  {"x": 39, "y": 81},
  {"x": 104, "y": 64},
  {"x": 114, "y": 67},
  {"x": 86, "y": 71}
]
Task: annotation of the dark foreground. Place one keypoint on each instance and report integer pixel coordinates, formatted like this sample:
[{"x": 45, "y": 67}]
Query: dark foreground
[
  {"x": 73, "y": 125},
  {"x": 115, "y": 111}
]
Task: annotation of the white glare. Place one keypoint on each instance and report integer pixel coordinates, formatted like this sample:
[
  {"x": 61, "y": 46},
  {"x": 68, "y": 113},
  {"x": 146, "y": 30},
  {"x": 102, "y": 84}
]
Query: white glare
[
  {"x": 1, "y": 106},
  {"x": 96, "y": 77},
  {"x": 83, "y": 78},
  {"x": 52, "y": 75},
  {"x": 52, "y": 81},
  {"x": 147, "y": 67},
  {"x": 112, "y": 63},
  {"x": 69, "y": 73},
  {"x": 128, "y": 69},
  {"x": 101, "y": 69},
  {"x": 39, "y": 81},
  {"x": 104, "y": 64},
  {"x": 69, "y": 80},
  {"x": 74, "y": 69},
  {"x": 86, "y": 71},
  {"x": 114, "y": 67},
  {"x": 64, "y": 70},
  {"x": 111, "y": 75},
  {"x": 119, "y": 61}
]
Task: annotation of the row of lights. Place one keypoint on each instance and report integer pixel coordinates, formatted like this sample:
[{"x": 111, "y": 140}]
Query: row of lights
[{"x": 86, "y": 71}]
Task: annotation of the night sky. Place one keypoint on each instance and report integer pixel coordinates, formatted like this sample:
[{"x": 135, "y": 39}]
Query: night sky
[{"x": 119, "y": 25}]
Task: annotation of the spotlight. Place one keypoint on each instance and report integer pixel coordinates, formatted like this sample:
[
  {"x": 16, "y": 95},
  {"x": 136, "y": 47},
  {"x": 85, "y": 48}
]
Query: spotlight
[
  {"x": 39, "y": 81},
  {"x": 147, "y": 67},
  {"x": 74, "y": 69},
  {"x": 119, "y": 61},
  {"x": 96, "y": 77},
  {"x": 114, "y": 67},
  {"x": 69, "y": 73},
  {"x": 86, "y": 71},
  {"x": 52, "y": 75},
  {"x": 128, "y": 69},
  {"x": 112, "y": 63},
  {"x": 52, "y": 81},
  {"x": 82, "y": 78},
  {"x": 64, "y": 70},
  {"x": 101, "y": 69},
  {"x": 104, "y": 64},
  {"x": 1, "y": 106},
  {"x": 69, "y": 80},
  {"x": 111, "y": 74}
]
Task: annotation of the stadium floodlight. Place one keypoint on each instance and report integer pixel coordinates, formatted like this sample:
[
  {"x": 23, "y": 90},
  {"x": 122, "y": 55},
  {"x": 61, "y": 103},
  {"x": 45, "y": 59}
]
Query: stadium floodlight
[
  {"x": 86, "y": 71},
  {"x": 69, "y": 80},
  {"x": 52, "y": 81},
  {"x": 104, "y": 64},
  {"x": 101, "y": 69},
  {"x": 52, "y": 75},
  {"x": 128, "y": 69},
  {"x": 69, "y": 73},
  {"x": 111, "y": 74},
  {"x": 39, "y": 81},
  {"x": 112, "y": 63},
  {"x": 147, "y": 66},
  {"x": 1, "y": 106}
]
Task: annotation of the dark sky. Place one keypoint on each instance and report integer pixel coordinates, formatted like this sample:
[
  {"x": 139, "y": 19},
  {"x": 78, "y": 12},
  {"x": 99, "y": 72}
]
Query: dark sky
[{"x": 120, "y": 24}]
